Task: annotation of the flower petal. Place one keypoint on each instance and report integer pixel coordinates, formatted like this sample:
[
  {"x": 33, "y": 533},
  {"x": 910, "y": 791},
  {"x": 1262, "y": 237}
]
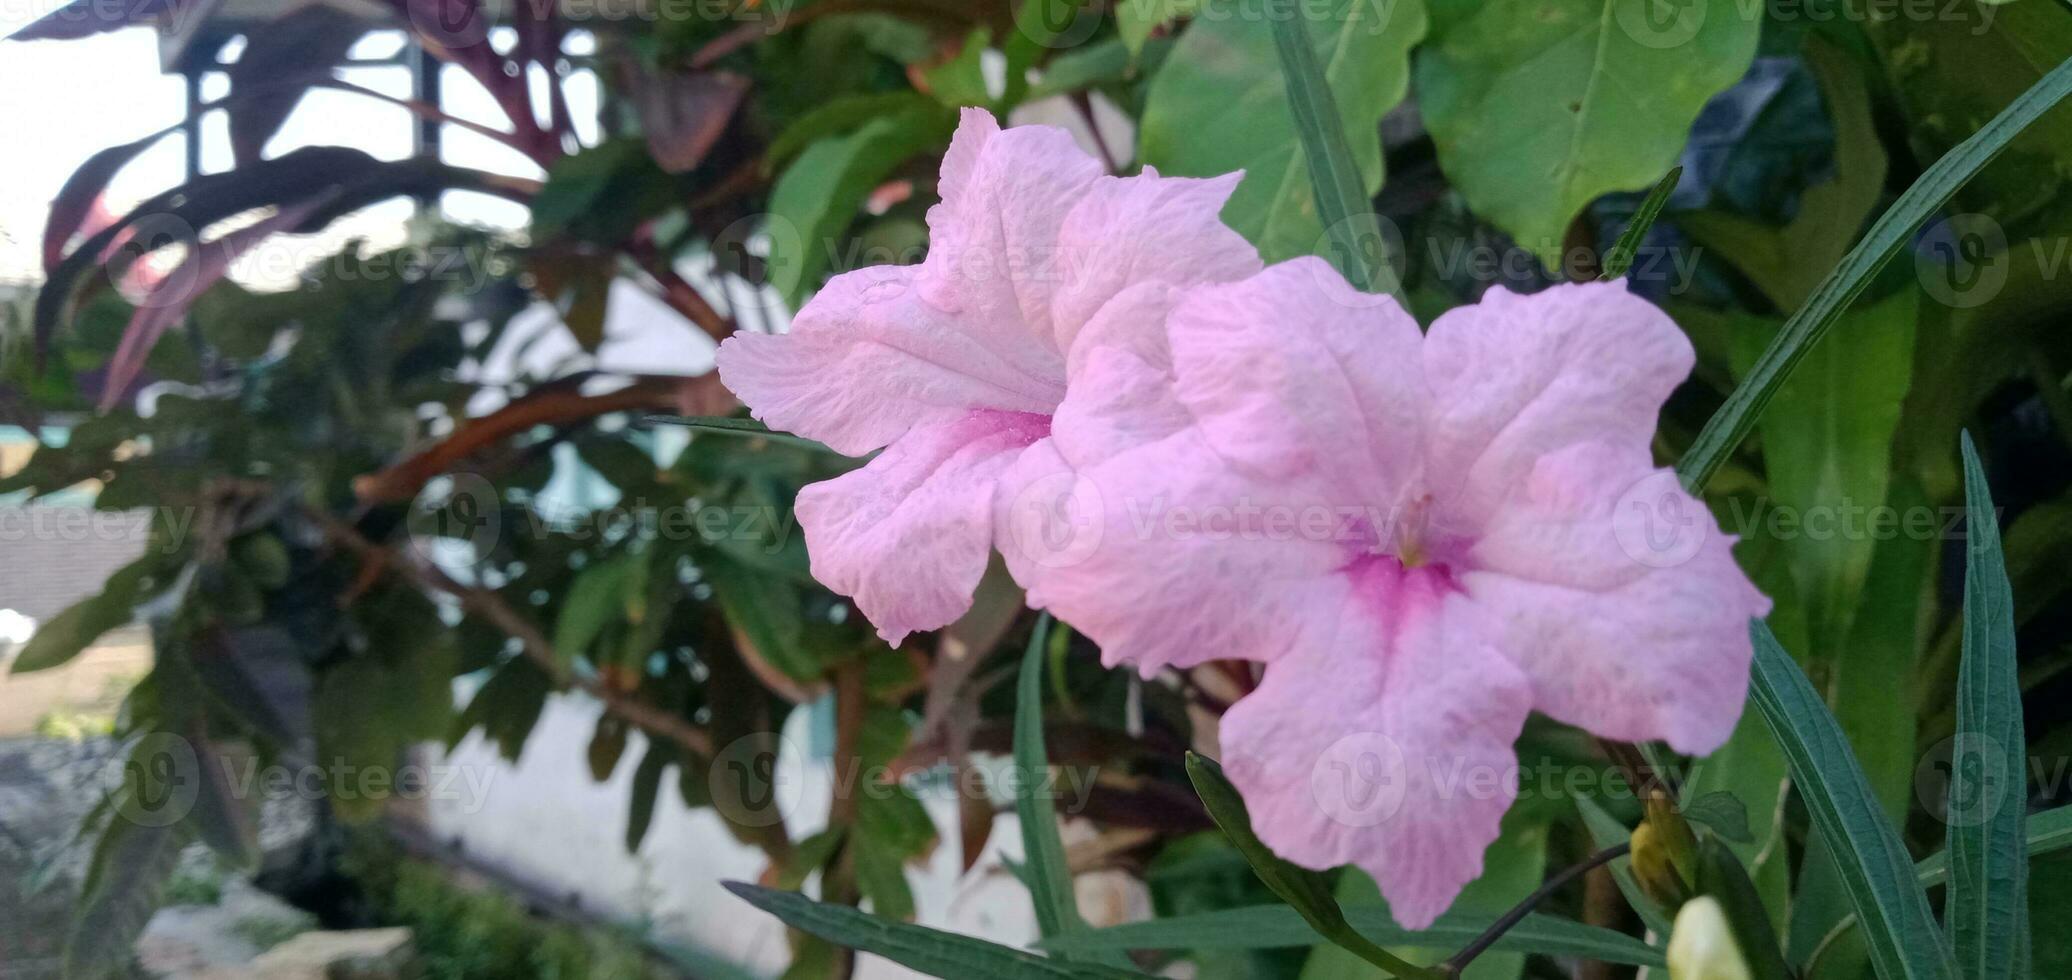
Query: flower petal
[
  {"x": 1148, "y": 228},
  {"x": 1293, "y": 369},
  {"x": 908, "y": 535},
  {"x": 868, "y": 358},
  {"x": 993, "y": 240},
  {"x": 1386, "y": 746},
  {"x": 1616, "y": 592},
  {"x": 1166, "y": 554},
  {"x": 1513, "y": 377}
]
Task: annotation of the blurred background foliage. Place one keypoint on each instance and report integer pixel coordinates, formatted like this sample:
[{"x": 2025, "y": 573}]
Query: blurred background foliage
[{"x": 348, "y": 504}]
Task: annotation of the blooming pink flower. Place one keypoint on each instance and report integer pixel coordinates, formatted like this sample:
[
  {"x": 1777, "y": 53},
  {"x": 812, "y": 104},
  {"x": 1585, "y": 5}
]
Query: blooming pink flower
[
  {"x": 1423, "y": 537},
  {"x": 954, "y": 366}
]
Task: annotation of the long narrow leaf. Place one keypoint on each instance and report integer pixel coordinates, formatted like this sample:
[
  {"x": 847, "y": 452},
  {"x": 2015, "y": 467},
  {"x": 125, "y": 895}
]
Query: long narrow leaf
[
  {"x": 1045, "y": 871},
  {"x": 1900, "y": 930},
  {"x": 1342, "y": 203},
  {"x": 1278, "y": 926},
  {"x": 1306, "y": 891},
  {"x": 936, "y": 953},
  {"x": 1737, "y": 417},
  {"x": 1620, "y": 258},
  {"x": 1987, "y": 910},
  {"x": 729, "y": 425}
]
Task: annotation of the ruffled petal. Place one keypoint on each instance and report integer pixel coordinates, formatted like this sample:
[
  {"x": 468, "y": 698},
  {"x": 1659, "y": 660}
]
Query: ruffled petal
[
  {"x": 1148, "y": 228},
  {"x": 993, "y": 240},
  {"x": 868, "y": 358},
  {"x": 1514, "y": 377},
  {"x": 1293, "y": 370},
  {"x": 1166, "y": 555},
  {"x": 1616, "y": 592},
  {"x": 1383, "y": 745},
  {"x": 908, "y": 535}
]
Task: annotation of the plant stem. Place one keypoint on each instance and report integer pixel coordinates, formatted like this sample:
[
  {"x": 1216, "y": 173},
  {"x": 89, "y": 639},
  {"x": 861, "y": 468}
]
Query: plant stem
[{"x": 1459, "y": 961}]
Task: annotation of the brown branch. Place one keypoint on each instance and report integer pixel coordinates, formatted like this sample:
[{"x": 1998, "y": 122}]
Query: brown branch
[
  {"x": 559, "y": 403},
  {"x": 679, "y": 294}
]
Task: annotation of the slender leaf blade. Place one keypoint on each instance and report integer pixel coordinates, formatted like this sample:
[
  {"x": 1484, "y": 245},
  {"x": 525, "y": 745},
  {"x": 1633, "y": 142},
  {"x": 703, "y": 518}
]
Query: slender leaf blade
[
  {"x": 1987, "y": 907},
  {"x": 1308, "y": 892},
  {"x": 1342, "y": 202},
  {"x": 1876, "y": 871},
  {"x": 1045, "y": 872},
  {"x": 1620, "y": 258},
  {"x": 931, "y": 951},
  {"x": 1937, "y": 185},
  {"x": 1278, "y": 926}
]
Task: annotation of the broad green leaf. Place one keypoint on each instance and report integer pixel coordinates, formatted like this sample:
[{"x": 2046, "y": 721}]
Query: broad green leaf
[
  {"x": 1083, "y": 68},
  {"x": 938, "y": 954},
  {"x": 1278, "y": 926},
  {"x": 960, "y": 81},
  {"x": 1902, "y": 934},
  {"x": 835, "y": 117},
  {"x": 1827, "y": 453},
  {"x": 1724, "y": 813},
  {"x": 1343, "y": 203},
  {"x": 1308, "y": 892},
  {"x": 68, "y": 633},
  {"x": 1539, "y": 107},
  {"x": 823, "y": 190},
  {"x": 1937, "y": 184},
  {"x": 1620, "y": 257},
  {"x": 131, "y": 864},
  {"x": 1219, "y": 104},
  {"x": 367, "y": 710},
  {"x": 595, "y": 599},
  {"x": 1988, "y": 903}
]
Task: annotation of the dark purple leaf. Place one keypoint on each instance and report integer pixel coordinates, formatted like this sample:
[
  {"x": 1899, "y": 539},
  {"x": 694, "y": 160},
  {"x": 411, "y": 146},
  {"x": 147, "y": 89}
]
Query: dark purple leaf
[{"x": 310, "y": 39}]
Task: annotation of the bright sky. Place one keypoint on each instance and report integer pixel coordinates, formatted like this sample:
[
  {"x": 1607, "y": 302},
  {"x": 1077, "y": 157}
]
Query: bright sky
[{"x": 62, "y": 101}]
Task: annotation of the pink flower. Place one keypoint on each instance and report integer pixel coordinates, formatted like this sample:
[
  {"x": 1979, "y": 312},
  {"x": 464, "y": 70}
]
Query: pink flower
[
  {"x": 955, "y": 366},
  {"x": 1423, "y": 537}
]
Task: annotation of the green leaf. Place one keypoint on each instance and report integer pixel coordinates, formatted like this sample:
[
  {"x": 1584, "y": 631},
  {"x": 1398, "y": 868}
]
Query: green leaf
[
  {"x": 1219, "y": 103},
  {"x": 647, "y": 790},
  {"x": 1082, "y": 68},
  {"x": 1043, "y": 851},
  {"x": 1988, "y": 903},
  {"x": 1278, "y": 926},
  {"x": 823, "y": 190},
  {"x": 1308, "y": 892},
  {"x": 1935, "y": 187},
  {"x": 1620, "y": 257},
  {"x": 1903, "y": 938},
  {"x": 131, "y": 864},
  {"x": 68, "y": 633},
  {"x": 960, "y": 81},
  {"x": 835, "y": 117},
  {"x": 930, "y": 951},
  {"x": 1723, "y": 813},
  {"x": 1357, "y": 248},
  {"x": 1538, "y": 107},
  {"x": 1721, "y": 876},
  {"x": 595, "y": 599},
  {"x": 729, "y": 425}
]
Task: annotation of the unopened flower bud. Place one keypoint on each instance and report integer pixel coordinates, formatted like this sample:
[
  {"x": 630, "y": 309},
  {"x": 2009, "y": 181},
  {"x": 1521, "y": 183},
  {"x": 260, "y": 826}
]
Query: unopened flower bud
[
  {"x": 1653, "y": 869},
  {"x": 1701, "y": 944}
]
